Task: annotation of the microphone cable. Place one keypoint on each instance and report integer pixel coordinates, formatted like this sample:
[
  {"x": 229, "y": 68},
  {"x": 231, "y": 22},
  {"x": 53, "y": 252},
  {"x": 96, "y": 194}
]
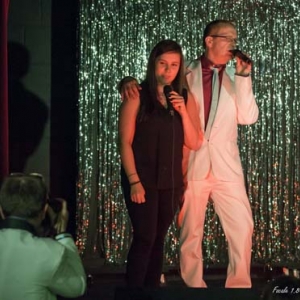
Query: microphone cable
[{"x": 167, "y": 90}]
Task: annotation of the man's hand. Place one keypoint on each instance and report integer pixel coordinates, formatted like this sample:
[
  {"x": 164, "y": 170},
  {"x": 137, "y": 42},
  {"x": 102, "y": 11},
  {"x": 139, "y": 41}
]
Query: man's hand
[
  {"x": 129, "y": 88},
  {"x": 61, "y": 218},
  {"x": 1, "y": 214},
  {"x": 242, "y": 68}
]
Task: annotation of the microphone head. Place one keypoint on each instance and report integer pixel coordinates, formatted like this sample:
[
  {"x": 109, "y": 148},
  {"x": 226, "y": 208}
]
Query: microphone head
[
  {"x": 167, "y": 90},
  {"x": 238, "y": 53},
  {"x": 234, "y": 51}
]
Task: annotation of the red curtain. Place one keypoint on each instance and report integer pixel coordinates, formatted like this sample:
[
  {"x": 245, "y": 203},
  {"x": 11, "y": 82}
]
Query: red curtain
[{"x": 4, "y": 158}]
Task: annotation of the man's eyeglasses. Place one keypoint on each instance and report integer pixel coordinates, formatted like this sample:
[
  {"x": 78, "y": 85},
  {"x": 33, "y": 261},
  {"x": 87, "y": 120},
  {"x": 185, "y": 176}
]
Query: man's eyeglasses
[{"x": 227, "y": 38}]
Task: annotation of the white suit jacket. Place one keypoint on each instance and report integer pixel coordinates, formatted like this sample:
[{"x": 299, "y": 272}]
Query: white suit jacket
[
  {"x": 34, "y": 268},
  {"x": 219, "y": 152}
]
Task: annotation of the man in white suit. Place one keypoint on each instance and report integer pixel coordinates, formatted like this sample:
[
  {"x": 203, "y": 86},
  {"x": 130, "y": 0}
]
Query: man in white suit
[
  {"x": 215, "y": 171},
  {"x": 33, "y": 267}
]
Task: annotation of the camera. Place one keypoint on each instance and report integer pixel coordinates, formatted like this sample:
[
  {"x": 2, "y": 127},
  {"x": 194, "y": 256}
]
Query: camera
[
  {"x": 54, "y": 208},
  {"x": 55, "y": 204}
]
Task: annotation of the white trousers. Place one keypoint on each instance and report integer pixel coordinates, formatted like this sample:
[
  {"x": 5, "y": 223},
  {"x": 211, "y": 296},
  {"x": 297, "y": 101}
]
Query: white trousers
[{"x": 233, "y": 209}]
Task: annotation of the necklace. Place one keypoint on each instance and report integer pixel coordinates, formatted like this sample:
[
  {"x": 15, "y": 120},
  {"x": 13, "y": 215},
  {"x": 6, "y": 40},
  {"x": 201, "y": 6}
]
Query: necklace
[{"x": 162, "y": 99}]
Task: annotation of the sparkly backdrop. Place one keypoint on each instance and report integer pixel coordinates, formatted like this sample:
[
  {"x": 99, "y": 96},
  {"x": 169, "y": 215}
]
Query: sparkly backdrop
[{"x": 115, "y": 39}]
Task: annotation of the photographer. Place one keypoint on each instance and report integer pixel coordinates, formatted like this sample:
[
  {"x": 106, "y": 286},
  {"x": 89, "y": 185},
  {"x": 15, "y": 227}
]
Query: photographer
[{"x": 35, "y": 267}]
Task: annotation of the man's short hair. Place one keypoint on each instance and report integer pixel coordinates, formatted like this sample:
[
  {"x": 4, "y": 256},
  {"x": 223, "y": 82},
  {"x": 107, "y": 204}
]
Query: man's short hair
[
  {"x": 213, "y": 25},
  {"x": 23, "y": 196}
]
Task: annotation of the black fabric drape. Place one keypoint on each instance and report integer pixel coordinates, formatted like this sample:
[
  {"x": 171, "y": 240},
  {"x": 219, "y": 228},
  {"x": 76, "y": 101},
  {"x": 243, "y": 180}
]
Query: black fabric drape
[{"x": 4, "y": 154}]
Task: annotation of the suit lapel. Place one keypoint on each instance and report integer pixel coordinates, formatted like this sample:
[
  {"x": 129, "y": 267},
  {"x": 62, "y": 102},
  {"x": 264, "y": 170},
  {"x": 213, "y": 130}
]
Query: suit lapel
[{"x": 194, "y": 79}]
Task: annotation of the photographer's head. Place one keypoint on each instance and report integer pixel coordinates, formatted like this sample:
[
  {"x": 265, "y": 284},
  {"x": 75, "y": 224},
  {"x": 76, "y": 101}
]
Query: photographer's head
[{"x": 24, "y": 196}]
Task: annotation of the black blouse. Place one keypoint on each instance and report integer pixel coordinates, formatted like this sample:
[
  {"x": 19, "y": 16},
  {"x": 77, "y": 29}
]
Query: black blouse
[{"x": 157, "y": 145}]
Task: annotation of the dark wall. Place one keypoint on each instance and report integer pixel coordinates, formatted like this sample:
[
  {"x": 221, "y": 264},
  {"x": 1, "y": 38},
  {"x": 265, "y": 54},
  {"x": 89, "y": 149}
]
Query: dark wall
[
  {"x": 64, "y": 96},
  {"x": 29, "y": 70},
  {"x": 42, "y": 63}
]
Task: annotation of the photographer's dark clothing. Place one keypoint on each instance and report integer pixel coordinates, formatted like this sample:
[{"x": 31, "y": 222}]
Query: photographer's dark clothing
[
  {"x": 157, "y": 148},
  {"x": 17, "y": 223}
]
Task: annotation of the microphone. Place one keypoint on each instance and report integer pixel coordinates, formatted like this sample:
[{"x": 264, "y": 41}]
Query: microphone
[
  {"x": 238, "y": 53},
  {"x": 167, "y": 90}
]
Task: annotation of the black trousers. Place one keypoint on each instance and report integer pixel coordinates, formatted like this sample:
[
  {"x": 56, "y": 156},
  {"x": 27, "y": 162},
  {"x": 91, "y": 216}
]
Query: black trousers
[{"x": 150, "y": 223}]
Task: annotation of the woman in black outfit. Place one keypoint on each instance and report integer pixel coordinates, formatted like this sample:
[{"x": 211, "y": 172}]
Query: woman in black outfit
[{"x": 152, "y": 132}]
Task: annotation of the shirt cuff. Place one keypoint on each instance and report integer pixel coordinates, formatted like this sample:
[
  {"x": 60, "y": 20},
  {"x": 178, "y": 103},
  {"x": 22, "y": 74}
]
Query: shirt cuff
[
  {"x": 63, "y": 235},
  {"x": 242, "y": 75}
]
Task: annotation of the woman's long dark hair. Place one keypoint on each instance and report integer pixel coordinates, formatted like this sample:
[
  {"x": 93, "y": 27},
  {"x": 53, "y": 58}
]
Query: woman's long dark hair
[{"x": 178, "y": 84}]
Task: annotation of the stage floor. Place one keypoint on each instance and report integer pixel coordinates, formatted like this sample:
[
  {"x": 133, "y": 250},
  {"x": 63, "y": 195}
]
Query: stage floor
[{"x": 105, "y": 278}]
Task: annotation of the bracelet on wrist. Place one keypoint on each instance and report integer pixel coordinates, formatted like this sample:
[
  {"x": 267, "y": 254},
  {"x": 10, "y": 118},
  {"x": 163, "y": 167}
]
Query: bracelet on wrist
[
  {"x": 131, "y": 175},
  {"x": 135, "y": 182},
  {"x": 242, "y": 75}
]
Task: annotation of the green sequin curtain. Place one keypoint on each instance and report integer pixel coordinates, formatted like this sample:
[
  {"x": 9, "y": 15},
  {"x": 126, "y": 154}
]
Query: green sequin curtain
[{"x": 115, "y": 39}]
